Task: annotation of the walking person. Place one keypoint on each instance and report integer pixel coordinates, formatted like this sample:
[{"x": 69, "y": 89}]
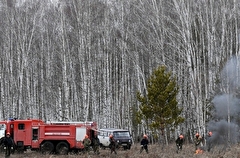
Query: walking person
[
  {"x": 112, "y": 144},
  {"x": 8, "y": 143},
  {"x": 86, "y": 143},
  {"x": 144, "y": 144},
  {"x": 209, "y": 141},
  {"x": 179, "y": 142},
  {"x": 198, "y": 140}
]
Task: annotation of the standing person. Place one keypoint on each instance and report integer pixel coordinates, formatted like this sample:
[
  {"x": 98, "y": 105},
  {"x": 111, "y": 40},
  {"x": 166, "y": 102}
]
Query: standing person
[
  {"x": 96, "y": 144},
  {"x": 179, "y": 142},
  {"x": 144, "y": 143},
  {"x": 209, "y": 140},
  {"x": 112, "y": 144},
  {"x": 198, "y": 140},
  {"x": 8, "y": 143},
  {"x": 86, "y": 143}
]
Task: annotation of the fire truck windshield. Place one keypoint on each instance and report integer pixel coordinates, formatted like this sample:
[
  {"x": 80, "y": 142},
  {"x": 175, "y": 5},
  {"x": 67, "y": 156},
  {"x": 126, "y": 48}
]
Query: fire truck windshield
[{"x": 2, "y": 130}]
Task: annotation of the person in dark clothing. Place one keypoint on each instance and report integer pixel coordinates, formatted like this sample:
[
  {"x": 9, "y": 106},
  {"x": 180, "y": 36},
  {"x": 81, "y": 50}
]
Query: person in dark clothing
[
  {"x": 144, "y": 144},
  {"x": 209, "y": 141},
  {"x": 8, "y": 143},
  {"x": 179, "y": 142},
  {"x": 95, "y": 144},
  {"x": 112, "y": 144}
]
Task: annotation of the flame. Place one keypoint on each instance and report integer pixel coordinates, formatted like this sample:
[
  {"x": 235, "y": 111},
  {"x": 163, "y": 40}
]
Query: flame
[{"x": 199, "y": 151}]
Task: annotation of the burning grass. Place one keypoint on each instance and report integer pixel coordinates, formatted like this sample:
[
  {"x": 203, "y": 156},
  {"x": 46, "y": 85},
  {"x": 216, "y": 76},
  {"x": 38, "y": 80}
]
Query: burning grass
[
  {"x": 155, "y": 151},
  {"x": 199, "y": 151}
]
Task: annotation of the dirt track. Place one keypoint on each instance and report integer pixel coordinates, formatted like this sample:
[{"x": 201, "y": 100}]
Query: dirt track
[{"x": 155, "y": 151}]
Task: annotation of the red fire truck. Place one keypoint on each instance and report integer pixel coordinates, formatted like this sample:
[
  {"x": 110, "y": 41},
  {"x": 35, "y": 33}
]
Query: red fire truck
[{"x": 50, "y": 137}]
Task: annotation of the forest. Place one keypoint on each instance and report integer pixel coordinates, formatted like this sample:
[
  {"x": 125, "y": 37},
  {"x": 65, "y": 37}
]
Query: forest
[{"x": 86, "y": 60}]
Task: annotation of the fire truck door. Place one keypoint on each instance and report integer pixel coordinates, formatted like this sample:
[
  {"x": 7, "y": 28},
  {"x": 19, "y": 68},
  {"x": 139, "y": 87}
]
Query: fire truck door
[{"x": 22, "y": 135}]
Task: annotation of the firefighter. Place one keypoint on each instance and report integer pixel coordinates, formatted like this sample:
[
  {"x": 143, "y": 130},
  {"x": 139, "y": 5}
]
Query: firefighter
[
  {"x": 8, "y": 144},
  {"x": 144, "y": 143},
  {"x": 179, "y": 142},
  {"x": 86, "y": 143},
  {"x": 112, "y": 144},
  {"x": 209, "y": 140},
  {"x": 198, "y": 140},
  {"x": 96, "y": 144}
]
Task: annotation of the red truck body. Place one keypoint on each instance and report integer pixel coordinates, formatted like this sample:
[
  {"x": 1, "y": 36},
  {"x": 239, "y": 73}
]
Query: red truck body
[{"x": 52, "y": 137}]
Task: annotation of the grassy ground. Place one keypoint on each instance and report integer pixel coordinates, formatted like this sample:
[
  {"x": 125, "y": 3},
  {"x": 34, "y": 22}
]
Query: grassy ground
[{"x": 155, "y": 151}]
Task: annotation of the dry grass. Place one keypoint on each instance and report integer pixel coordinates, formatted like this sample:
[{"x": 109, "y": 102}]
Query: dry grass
[{"x": 155, "y": 151}]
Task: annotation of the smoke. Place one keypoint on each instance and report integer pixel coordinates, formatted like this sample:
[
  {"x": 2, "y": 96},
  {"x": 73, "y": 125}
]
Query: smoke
[
  {"x": 221, "y": 130},
  {"x": 226, "y": 106},
  {"x": 230, "y": 75}
]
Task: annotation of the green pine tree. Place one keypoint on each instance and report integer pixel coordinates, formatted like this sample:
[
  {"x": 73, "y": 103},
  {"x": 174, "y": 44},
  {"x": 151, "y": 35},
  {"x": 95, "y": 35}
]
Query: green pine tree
[{"x": 159, "y": 108}]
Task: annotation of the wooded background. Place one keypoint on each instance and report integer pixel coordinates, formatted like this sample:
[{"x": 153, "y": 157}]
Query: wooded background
[{"x": 78, "y": 60}]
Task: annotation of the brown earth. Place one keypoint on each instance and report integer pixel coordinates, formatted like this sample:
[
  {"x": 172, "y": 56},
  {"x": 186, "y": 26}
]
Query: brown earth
[{"x": 155, "y": 151}]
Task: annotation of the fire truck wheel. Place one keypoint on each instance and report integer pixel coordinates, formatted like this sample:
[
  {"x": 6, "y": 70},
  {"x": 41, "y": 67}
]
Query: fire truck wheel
[
  {"x": 47, "y": 147},
  {"x": 62, "y": 148}
]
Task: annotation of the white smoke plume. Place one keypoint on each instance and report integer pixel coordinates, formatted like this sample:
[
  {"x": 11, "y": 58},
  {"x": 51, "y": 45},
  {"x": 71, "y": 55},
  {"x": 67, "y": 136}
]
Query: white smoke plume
[{"x": 224, "y": 125}]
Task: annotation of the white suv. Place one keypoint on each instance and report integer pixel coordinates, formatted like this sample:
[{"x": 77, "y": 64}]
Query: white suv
[{"x": 121, "y": 136}]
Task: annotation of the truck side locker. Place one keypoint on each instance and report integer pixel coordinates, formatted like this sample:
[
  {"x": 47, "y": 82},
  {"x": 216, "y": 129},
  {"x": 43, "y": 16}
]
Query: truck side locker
[
  {"x": 35, "y": 137},
  {"x": 80, "y": 134}
]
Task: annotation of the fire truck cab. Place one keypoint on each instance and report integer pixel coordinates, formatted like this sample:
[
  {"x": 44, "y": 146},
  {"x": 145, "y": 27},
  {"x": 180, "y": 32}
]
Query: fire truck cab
[{"x": 51, "y": 137}]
